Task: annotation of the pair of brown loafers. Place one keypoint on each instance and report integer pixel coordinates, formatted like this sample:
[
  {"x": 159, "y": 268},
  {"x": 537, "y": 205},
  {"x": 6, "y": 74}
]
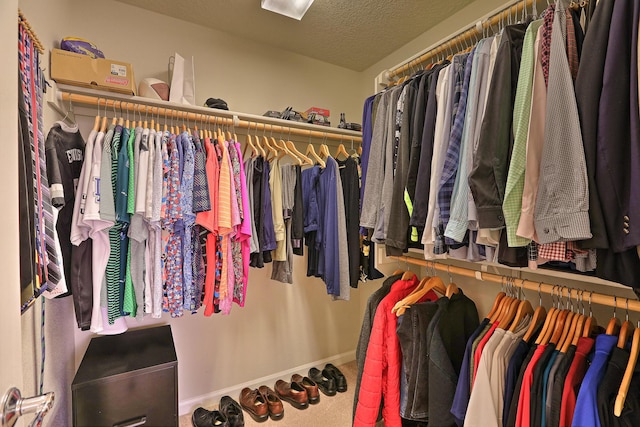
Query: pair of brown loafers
[
  {"x": 300, "y": 392},
  {"x": 263, "y": 402}
]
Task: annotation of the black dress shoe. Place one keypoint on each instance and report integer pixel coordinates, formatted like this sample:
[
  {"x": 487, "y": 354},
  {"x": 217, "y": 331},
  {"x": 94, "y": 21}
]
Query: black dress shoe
[
  {"x": 232, "y": 410},
  {"x": 325, "y": 382},
  {"x": 338, "y": 377},
  {"x": 203, "y": 418}
]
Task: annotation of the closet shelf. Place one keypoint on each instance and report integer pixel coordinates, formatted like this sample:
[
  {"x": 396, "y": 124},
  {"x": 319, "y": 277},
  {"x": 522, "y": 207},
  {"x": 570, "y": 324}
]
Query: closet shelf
[
  {"x": 546, "y": 288},
  {"x": 65, "y": 96}
]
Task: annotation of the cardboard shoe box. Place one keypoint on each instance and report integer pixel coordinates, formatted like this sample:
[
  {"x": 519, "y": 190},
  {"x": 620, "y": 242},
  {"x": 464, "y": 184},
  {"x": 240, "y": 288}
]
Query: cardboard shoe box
[{"x": 103, "y": 74}]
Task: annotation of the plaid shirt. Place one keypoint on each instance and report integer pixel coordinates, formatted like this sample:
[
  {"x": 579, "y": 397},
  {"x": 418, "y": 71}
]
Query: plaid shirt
[
  {"x": 545, "y": 42},
  {"x": 462, "y": 68}
]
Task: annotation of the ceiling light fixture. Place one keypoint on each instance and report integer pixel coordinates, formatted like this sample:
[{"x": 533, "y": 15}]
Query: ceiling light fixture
[{"x": 292, "y": 8}]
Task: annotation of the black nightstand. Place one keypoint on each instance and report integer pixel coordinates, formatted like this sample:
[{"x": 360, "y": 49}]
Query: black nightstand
[{"x": 128, "y": 380}]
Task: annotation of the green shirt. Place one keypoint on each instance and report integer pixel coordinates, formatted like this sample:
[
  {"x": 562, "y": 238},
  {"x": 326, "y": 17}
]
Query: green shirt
[{"x": 512, "y": 204}]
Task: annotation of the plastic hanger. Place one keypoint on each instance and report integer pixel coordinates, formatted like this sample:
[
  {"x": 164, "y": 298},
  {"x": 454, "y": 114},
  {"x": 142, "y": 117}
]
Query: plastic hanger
[
  {"x": 628, "y": 373},
  {"x": 626, "y": 330},
  {"x": 613, "y": 327}
]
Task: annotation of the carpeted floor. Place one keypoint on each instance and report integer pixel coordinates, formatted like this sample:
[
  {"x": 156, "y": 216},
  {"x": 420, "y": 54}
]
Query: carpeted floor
[{"x": 332, "y": 411}]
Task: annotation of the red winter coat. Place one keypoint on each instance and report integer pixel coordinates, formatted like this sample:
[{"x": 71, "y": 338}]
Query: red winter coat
[{"x": 382, "y": 366}]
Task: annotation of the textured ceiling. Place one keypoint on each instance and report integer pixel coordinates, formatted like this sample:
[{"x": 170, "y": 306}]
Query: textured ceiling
[{"x": 353, "y": 34}]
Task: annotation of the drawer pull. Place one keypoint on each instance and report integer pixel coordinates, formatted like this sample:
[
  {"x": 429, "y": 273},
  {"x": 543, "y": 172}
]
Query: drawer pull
[{"x": 135, "y": 422}]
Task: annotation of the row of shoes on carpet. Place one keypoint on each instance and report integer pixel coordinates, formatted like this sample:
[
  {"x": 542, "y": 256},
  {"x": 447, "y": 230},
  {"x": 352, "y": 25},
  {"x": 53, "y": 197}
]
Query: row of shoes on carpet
[{"x": 263, "y": 402}]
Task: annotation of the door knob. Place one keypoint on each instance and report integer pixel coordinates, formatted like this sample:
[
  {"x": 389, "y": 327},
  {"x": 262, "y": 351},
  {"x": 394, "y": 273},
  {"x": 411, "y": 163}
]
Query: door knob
[{"x": 13, "y": 405}]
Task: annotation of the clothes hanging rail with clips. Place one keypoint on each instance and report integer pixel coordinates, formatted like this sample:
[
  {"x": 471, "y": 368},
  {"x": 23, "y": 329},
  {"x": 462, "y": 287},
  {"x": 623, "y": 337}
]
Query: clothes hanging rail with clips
[
  {"x": 463, "y": 37},
  {"x": 105, "y": 100},
  {"x": 547, "y": 288},
  {"x": 25, "y": 24}
]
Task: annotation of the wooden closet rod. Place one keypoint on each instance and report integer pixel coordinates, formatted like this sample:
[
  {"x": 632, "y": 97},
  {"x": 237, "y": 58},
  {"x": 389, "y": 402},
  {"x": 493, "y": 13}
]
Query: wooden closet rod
[
  {"x": 596, "y": 298},
  {"x": 253, "y": 123},
  {"x": 454, "y": 42},
  {"x": 36, "y": 41}
]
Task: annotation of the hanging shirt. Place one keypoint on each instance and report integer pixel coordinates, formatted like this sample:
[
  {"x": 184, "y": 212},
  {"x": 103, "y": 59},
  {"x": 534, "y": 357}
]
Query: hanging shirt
[
  {"x": 462, "y": 65},
  {"x": 65, "y": 156},
  {"x": 459, "y": 223},
  {"x": 512, "y": 204},
  {"x": 586, "y": 410},
  {"x": 461, "y": 397},
  {"x": 437, "y": 161},
  {"x": 275, "y": 185},
  {"x": 574, "y": 379}
]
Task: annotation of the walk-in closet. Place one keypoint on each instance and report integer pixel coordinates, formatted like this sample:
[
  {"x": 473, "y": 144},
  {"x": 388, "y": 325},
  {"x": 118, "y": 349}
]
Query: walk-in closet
[{"x": 330, "y": 214}]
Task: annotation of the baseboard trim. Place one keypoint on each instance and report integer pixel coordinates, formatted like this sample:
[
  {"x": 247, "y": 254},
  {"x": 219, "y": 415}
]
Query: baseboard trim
[{"x": 209, "y": 400}]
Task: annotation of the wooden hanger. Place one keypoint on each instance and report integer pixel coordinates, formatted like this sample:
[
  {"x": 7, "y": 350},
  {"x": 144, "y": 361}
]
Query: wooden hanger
[
  {"x": 614, "y": 324},
  {"x": 452, "y": 288},
  {"x": 569, "y": 323},
  {"x": 628, "y": 373},
  {"x": 254, "y": 150},
  {"x": 324, "y": 151},
  {"x": 575, "y": 334},
  {"x": 121, "y": 118},
  {"x": 286, "y": 152},
  {"x": 557, "y": 321},
  {"x": 103, "y": 125},
  {"x": 311, "y": 151},
  {"x": 539, "y": 317},
  {"x": 496, "y": 304},
  {"x": 341, "y": 150},
  {"x": 396, "y": 272},
  {"x": 272, "y": 151},
  {"x": 626, "y": 330},
  {"x": 590, "y": 323},
  {"x": 524, "y": 309},
  {"x": 509, "y": 314},
  {"x": 579, "y": 330},
  {"x": 547, "y": 327},
  {"x": 274, "y": 144},
  {"x": 292, "y": 147},
  {"x": 96, "y": 122},
  {"x": 503, "y": 305},
  {"x": 431, "y": 283},
  {"x": 408, "y": 275}
]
